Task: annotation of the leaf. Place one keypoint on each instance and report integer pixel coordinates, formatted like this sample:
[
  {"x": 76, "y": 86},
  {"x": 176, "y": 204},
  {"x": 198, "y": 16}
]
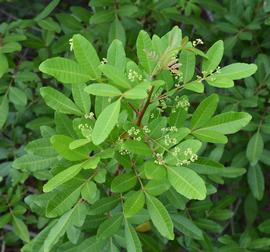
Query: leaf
[
  {"x": 139, "y": 92},
  {"x": 61, "y": 144},
  {"x": 3, "y": 64},
  {"x": 4, "y": 111},
  {"x": 116, "y": 55},
  {"x": 103, "y": 90},
  {"x": 255, "y": 148},
  {"x": 220, "y": 82},
  {"x": 103, "y": 205},
  {"x": 89, "y": 191},
  {"x": 62, "y": 177},
  {"x": 137, "y": 147},
  {"x": 20, "y": 229},
  {"x": 160, "y": 217},
  {"x": 214, "y": 56},
  {"x": 58, "y": 101},
  {"x": 187, "y": 227},
  {"x": 115, "y": 75},
  {"x": 117, "y": 31},
  {"x": 204, "y": 111},
  {"x": 58, "y": 230},
  {"x": 17, "y": 96},
  {"x": 187, "y": 59},
  {"x": 256, "y": 181},
  {"x": 260, "y": 243},
  {"x": 109, "y": 227},
  {"x": 144, "y": 47},
  {"x": 87, "y": 56},
  {"x": 210, "y": 136},
  {"x": 236, "y": 71},
  {"x": 106, "y": 122},
  {"x": 64, "y": 198},
  {"x": 157, "y": 187},
  {"x": 133, "y": 204},
  {"x": 46, "y": 12},
  {"x": 33, "y": 163},
  {"x": 195, "y": 86},
  {"x": 187, "y": 182},
  {"x": 264, "y": 227},
  {"x": 82, "y": 100},
  {"x": 123, "y": 183},
  {"x": 64, "y": 70},
  {"x": 154, "y": 171},
  {"x": 132, "y": 240},
  {"x": 228, "y": 122}
]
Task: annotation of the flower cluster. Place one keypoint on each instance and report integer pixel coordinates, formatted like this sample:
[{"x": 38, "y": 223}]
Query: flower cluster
[
  {"x": 70, "y": 44},
  {"x": 152, "y": 55},
  {"x": 133, "y": 132},
  {"x": 169, "y": 140},
  {"x": 169, "y": 129},
  {"x": 159, "y": 159},
  {"x": 182, "y": 103},
  {"x": 146, "y": 130},
  {"x": 104, "y": 61},
  {"x": 133, "y": 75},
  {"x": 86, "y": 130},
  {"x": 189, "y": 157},
  {"x": 197, "y": 42},
  {"x": 90, "y": 116}
]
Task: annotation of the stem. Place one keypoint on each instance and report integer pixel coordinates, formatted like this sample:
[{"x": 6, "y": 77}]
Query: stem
[{"x": 142, "y": 112}]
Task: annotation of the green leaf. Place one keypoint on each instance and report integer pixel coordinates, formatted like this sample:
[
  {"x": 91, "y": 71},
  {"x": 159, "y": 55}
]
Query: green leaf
[
  {"x": 46, "y": 12},
  {"x": 61, "y": 144},
  {"x": 106, "y": 122},
  {"x": 157, "y": 187},
  {"x": 64, "y": 198},
  {"x": 59, "y": 102},
  {"x": 87, "y": 56},
  {"x": 154, "y": 171},
  {"x": 3, "y": 64},
  {"x": 89, "y": 191},
  {"x": 195, "y": 86},
  {"x": 187, "y": 227},
  {"x": 103, "y": 205},
  {"x": 58, "y": 230},
  {"x": 204, "y": 111},
  {"x": 137, "y": 93},
  {"x": 260, "y": 243},
  {"x": 228, "y": 122},
  {"x": 187, "y": 59},
  {"x": 82, "y": 100},
  {"x": 210, "y": 136},
  {"x": 64, "y": 70},
  {"x": 115, "y": 75},
  {"x": 160, "y": 217},
  {"x": 62, "y": 177},
  {"x": 187, "y": 182},
  {"x": 134, "y": 203},
  {"x": 123, "y": 183},
  {"x": 117, "y": 31},
  {"x": 20, "y": 229},
  {"x": 264, "y": 227},
  {"x": 116, "y": 55},
  {"x": 137, "y": 147},
  {"x": 4, "y": 110},
  {"x": 33, "y": 163},
  {"x": 236, "y": 71},
  {"x": 17, "y": 96},
  {"x": 132, "y": 240},
  {"x": 255, "y": 148},
  {"x": 109, "y": 227},
  {"x": 220, "y": 82},
  {"x": 103, "y": 90},
  {"x": 144, "y": 47},
  {"x": 256, "y": 181},
  {"x": 214, "y": 56}
]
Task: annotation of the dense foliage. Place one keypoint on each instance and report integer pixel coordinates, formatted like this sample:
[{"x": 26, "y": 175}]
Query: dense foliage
[{"x": 134, "y": 125}]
